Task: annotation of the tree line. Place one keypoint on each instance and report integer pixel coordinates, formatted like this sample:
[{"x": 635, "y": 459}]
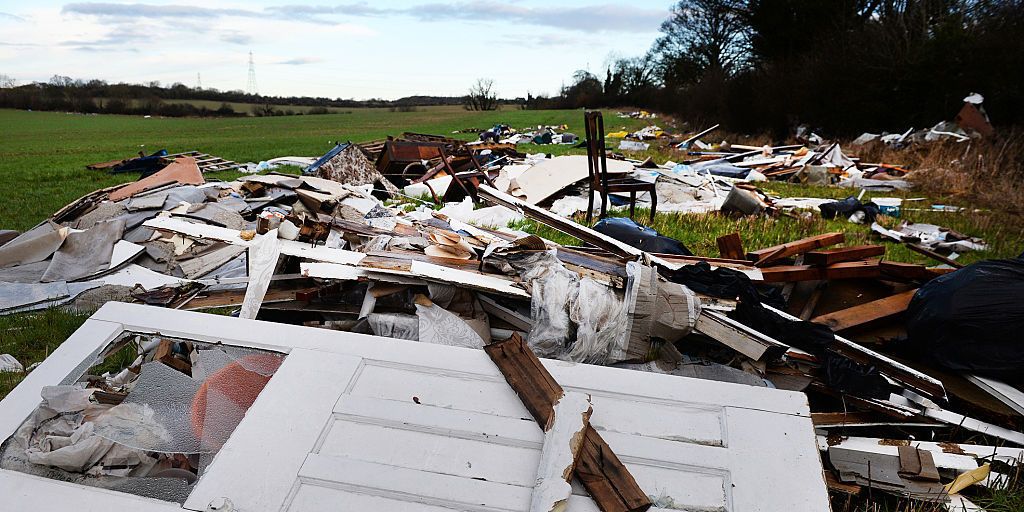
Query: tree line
[
  {"x": 62, "y": 93},
  {"x": 841, "y": 66}
]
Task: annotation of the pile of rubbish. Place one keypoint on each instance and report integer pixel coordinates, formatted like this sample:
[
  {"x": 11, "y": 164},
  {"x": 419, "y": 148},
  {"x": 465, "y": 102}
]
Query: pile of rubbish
[
  {"x": 888, "y": 353},
  {"x": 971, "y": 122}
]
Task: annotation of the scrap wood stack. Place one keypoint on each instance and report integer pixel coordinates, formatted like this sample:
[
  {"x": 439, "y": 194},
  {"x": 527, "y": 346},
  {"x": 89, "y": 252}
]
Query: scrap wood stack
[{"x": 325, "y": 250}]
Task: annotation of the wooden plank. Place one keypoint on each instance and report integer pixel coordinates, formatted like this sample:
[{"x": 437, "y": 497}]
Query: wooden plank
[
  {"x": 767, "y": 255},
  {"x": 561, "y": 224},
  {"x": 789, "y": 273},
  {"x": 867, "y": 312},
  {"x": 469, "y": 265},
  {"x": 608, "y": 481},
  {"x": 829, "y": 256},
  {"x": 730, "y": 246},
  {"x": 920, "y": 249},
  {"x": 845, "y": 270},
  {"x": 910, "y": 271},
  {"x": 866, "y": 269},
  {"x": 263, "y": 256},
  {"x": 738, "y": 337}
]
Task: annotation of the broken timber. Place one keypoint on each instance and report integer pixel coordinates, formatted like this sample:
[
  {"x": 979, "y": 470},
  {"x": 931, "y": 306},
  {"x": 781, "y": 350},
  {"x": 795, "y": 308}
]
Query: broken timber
[
  {"x": 867, "y": 312},
  {"x": 730, "y": 246},
  {"x": 841, "y": 254},
  {"x": 765, "y": 256},
  {"x": 738, "y": 337},
  {"x": 563, "y": 440},
  {"x": 602, "y": 473}
]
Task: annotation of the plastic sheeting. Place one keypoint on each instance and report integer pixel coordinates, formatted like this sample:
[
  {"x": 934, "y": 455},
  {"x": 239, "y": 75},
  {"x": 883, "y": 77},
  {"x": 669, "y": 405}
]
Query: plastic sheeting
[
  {"x": 576, "y": 319},
  {"x": 970, "y": 320}
]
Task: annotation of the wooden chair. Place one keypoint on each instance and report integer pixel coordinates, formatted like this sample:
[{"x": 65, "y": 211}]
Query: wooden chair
[{"x": 597, "y": 167}]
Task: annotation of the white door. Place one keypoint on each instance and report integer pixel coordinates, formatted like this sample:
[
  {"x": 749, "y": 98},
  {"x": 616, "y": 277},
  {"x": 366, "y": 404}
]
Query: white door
[{"x": 378, "y": 424}]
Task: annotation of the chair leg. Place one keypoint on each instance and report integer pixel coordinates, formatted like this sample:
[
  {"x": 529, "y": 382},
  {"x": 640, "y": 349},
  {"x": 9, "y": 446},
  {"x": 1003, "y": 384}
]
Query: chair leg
[
  {"x": 632, "y": 204},
  {"x": 604, "y": 201}
]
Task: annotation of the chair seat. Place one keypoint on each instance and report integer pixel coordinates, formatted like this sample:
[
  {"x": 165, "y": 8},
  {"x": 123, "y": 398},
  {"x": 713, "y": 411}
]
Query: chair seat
[{"x": 624, "y": 185}]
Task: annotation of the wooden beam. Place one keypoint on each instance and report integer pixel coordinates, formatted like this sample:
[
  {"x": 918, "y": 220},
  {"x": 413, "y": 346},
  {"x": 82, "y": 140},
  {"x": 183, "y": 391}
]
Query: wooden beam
[
  {"x": 765, "y": 256},
  {"x": 867, "y": 312},
  {"x": 920, "y": 249},
  {"x": 559, "y": 223},
  {"x": 868, "y": 269},
  {"x": 789, "y": 273},
  {"x": 829, "y": 256},
  {"x": 730, "y": 246},
  {"x": 864, "y": 269},
  {"x": 911, "y": 271},
  {"x": 893, "y": 369},
  {"x": 738, "y": 337},
  {"x": 602, "y": 473}
]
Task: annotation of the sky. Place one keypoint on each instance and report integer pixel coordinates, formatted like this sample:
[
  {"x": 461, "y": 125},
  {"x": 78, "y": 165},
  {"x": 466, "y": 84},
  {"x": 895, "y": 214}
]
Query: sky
[{"x": 360, "y": 50}]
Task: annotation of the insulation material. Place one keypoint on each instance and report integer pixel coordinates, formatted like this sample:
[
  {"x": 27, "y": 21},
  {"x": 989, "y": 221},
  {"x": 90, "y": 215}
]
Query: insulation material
[
  {"x": 34, "y": 245},
  {"x": 576, "y": 319},
  {"x": 85, "y": 253}
]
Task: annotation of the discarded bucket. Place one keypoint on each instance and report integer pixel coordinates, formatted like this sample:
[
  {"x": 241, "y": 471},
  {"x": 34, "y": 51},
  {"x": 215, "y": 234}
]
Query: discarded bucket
[{"x": 743, "y": 201}]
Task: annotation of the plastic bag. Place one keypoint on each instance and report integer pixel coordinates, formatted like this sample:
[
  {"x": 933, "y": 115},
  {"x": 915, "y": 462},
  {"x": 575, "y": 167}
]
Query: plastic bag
[
  {"x": 970, "y": 320},
  {"x": 626, "y": 230}
]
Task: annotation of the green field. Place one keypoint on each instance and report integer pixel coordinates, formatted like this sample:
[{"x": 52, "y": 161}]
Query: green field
[
  {"x": 43, "y": 154},
  {"x": 43, "y": 157}
]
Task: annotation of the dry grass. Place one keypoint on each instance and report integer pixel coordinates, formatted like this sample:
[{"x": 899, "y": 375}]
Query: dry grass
[{"x": 985, "y": 173}]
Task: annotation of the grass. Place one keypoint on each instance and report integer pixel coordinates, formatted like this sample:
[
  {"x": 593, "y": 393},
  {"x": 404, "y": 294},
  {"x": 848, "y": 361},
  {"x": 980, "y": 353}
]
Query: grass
[
  {"x": 43, "y": 154},
  {"x": 699, "y": 231},
  {"x": 31, "y": 337}
]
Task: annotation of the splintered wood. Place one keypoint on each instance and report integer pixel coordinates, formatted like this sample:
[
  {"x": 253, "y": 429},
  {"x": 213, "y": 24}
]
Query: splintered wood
[
  {"x": 867, "y": 312},
  {"x": 765, "y": 256},
  {"x": 602, "y": 473},
  {"x": 563, "y": 440}
]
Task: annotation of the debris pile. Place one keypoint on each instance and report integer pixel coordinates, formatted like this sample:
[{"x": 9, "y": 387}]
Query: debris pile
[{"x": 344, "y": 247}]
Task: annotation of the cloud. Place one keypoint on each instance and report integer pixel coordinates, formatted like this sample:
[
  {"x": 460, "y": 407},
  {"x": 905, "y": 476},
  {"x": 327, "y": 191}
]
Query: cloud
[
  {"x": 588, "y": 18},
  {"x": 110, "y": 10},
  {"x": 236, "y": 38},
  {"x": 591, "y": 18},
  {"x": 306, "y": 13},
  {"x": 300, "y": 61},
  {"x": 312, "y": 13}
]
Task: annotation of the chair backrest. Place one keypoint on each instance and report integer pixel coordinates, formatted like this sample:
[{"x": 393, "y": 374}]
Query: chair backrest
[{"x": 597, "y": 166}]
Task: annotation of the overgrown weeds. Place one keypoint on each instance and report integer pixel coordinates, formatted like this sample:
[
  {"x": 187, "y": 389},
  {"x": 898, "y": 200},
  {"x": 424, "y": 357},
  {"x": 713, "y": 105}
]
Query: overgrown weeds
[{"x": 986, "y": 173}]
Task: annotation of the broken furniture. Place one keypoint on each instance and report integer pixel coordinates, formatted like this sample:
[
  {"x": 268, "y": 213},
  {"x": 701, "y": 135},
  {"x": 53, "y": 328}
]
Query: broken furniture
[{"x": 597, "y": 166}]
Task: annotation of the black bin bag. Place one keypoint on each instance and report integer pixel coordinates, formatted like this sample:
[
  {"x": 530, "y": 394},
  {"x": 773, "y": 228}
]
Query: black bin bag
[
  {"x": 972, "y": 320},
  {"x": 627, "y": 231}
]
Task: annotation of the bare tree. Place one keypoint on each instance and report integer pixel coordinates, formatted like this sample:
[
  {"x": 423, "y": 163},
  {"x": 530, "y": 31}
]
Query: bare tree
[
  {"x": 482, "y": 96},
  {"x": 703, "y": 37},
  {"x": 7, "y": 81}
]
